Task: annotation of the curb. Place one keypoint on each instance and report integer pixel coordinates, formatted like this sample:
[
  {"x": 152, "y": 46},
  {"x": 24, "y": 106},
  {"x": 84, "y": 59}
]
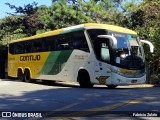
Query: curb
[{"x": 143, "y": 85}]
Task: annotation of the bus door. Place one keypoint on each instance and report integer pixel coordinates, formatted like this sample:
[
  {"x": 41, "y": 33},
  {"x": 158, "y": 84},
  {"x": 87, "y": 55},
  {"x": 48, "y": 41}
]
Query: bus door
[{"x": 103, "y": 67}]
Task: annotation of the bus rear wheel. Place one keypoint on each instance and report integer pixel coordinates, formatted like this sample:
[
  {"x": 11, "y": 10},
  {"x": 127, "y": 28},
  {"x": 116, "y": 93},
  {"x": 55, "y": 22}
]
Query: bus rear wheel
[
  {"x": 27, "y": 77},
  {"x": 20, "y": 75},
  {"x": 84, "y": 79}
]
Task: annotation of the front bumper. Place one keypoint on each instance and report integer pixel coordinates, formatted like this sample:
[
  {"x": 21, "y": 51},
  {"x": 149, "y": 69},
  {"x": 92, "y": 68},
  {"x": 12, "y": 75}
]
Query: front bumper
[{"x": 121, "y": 80}]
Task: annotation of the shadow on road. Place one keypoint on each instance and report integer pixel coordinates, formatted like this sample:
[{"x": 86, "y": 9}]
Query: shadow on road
[
  {"x": 76, "y": 85},
  {"x": 66, "y": 97}
]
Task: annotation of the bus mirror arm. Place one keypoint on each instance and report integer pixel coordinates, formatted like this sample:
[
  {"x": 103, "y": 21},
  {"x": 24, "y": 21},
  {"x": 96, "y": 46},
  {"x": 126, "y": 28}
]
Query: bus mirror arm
[
  {"x": 112, "y": 38},
  {"x": 150, "y": 45}
]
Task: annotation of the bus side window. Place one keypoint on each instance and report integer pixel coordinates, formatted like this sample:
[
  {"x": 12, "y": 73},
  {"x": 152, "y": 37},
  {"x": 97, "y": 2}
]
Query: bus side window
[
  {"x": 63, "y": 42},
  {"x": 44, "y": 46},
  {"x": 18, "y": 48},
  {"x": 28, "y": 47},
  {"x": 93, "y": 33},
  {"x": 79, "y": 41},
  {"x": 105, "y": 55},
  {"x": 76, "y": 44},
  {"x": 11, "y": 48},
  {"x": 49, "y": 43},
  {"x": 37, "y": 44}
]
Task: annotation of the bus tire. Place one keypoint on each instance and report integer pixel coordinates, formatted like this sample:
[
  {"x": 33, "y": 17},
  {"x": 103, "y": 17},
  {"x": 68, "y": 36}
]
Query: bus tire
[
  {"x": 84, "y": 79},
  {"x": 27, "y": 77},
  {"x": 20, "y": 75},
  {"x": 111, "y": 86}
]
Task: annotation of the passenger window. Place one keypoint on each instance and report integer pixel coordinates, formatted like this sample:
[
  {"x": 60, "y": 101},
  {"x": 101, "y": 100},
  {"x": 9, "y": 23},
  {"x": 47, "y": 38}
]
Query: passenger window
[
  {"x": 18, "y": 48},
  {"x": 93, "y": 33},
  {"x": 28, "y": 47},
  {"x": 63, "y": 42},
  {"x": 37, "y": 44},
  {"x": 11, "y": 48},
  {"x": 50, "y": 43},
  {"x": 79, "y": 41}
]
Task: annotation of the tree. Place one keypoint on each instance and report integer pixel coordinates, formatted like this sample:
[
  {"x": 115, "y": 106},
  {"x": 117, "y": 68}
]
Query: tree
[
  {"x": 11, "y": 28},
  {"x": 152, "y": 25},
  {"x": 29, "y": 17},
  {"x": 145, "y": 19},
  {"x": 65, "y": 13}
]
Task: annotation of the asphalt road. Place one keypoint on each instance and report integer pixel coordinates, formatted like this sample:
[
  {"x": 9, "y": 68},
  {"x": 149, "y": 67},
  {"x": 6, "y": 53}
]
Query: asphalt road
[{"x": 72, "y": 102}]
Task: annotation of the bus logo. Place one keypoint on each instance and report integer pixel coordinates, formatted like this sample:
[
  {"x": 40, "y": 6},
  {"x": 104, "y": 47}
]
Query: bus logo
[
  {"x": 102, "y": 79},
  {"x": 30, "y": 58}
]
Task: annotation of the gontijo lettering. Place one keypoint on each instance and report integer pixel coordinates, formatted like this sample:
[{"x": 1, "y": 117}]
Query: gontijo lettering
[{"x": 30, "y": 58}]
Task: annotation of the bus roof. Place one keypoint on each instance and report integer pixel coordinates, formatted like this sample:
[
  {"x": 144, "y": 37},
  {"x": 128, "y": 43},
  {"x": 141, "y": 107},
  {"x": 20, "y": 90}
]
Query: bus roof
[
  {"x": 77, "y": 28},
  {"x": 110, "y": 27}
]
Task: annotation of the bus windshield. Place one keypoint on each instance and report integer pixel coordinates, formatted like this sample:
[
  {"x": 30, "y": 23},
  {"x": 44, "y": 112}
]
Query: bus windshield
[
  {"x": 129, "y": 43},
  {"x": 128, "y": 52},
  {"x": 121, "y": 42}
]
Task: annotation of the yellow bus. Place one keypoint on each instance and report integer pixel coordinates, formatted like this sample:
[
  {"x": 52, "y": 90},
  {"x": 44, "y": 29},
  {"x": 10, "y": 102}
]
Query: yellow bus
[{"x": 88, "y": 53}]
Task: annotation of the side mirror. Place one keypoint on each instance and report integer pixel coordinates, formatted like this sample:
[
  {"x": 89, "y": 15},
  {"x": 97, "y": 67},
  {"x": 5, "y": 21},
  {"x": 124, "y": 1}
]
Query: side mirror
[
  {"x": 150, "y": 45},
  {"x": 111, "y": 38}
]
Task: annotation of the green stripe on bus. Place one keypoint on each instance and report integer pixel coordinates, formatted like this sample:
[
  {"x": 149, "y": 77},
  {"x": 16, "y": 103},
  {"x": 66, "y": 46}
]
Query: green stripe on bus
[{"x": 55, "y": 62}]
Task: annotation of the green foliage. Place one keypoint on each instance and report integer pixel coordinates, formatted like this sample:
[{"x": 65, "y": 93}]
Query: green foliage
[
  {"x": 151, "y": 26},
  {"x": 11, "y": 28},
  {"x": 30, "y": 19},
  {"x": 26, "y": 9},
  {"x": 63, "y": 13},
  {"x": 145, "y": 19},
  {"x": 26, "y": 17}
]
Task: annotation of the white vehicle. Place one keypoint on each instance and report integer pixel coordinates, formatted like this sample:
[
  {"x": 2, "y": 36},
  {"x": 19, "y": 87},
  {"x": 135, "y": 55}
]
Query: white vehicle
[{"x": 88, "y": 53}]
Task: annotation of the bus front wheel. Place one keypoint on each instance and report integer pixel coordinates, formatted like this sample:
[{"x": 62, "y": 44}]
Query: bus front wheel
[
  {"x": 84, "y": 79},
  {"x": 27, "y": 77}
]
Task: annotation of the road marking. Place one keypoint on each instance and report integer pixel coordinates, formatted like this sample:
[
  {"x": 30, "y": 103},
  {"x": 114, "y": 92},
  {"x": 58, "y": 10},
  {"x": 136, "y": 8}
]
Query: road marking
[
  {"x": 134, "y": 94},
  {"x": 88, "y": 96},
  {"x": 92, "y": 111},
  {"x": 60, "y": 109}
]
